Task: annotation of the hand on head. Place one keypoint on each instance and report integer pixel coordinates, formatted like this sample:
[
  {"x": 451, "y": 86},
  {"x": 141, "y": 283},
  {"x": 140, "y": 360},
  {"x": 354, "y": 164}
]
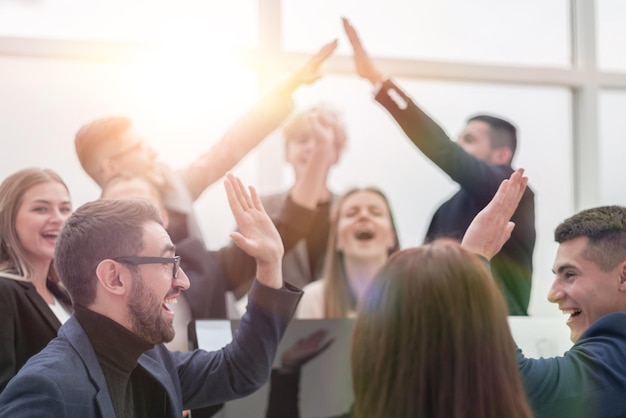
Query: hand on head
[
  {"x": 491, "y": 228},
  {"x": 325, "y": 136}
]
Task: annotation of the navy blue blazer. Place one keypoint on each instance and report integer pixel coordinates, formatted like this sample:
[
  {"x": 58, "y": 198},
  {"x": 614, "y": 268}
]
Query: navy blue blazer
[
  {"x": 66, "y": 380},
  {"x": 588, "y": 381}
]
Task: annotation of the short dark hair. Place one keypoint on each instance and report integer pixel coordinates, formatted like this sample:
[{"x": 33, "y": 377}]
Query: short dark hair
[
  {"x": 99, "y": 230},
  {"x": 502, "y": 133},
  {"x": 91, "y": 136},
  {"x": 605, "y": 227}
]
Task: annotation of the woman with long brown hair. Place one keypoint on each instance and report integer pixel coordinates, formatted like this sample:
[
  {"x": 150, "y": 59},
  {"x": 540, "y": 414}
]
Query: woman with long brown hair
[
  {"x": 34, "y": 204},
  {"x": 432, "y": 340},
  {"x": 361, "y": 238}
]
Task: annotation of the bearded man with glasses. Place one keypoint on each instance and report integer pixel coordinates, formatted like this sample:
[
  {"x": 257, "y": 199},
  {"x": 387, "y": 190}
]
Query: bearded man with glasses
[{"x": 120, "y": 267}]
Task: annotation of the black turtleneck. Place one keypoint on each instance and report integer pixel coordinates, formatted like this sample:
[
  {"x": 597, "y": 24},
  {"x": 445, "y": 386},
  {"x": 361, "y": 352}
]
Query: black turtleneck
[{"x": 134, "y": 392}]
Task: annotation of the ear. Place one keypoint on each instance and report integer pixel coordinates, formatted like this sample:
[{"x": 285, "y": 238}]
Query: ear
[
  {"x": 109, "y": 168},
  {"x": 502, "y": 155},
  {"x": 165, "y": 216},
  {"x": 113, "y": 277},
  {"x": 622, "y": 276}
]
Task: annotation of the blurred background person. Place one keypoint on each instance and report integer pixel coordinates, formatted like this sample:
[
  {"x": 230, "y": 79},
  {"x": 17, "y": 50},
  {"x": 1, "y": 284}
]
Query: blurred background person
[{"x": 109, "y": 146}]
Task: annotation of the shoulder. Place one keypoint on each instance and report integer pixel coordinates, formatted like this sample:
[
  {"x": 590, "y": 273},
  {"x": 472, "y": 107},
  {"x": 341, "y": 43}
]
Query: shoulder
[
  {"x": 13, "y": 280},
  {"x": 610, "y": 325},
  {"x": 603, "y": 342},
  {"x": 54, "y": 382},
  {"x": 312, "y": 303},
  {"x": 274, "y": 202},
  {"x": 12, "y": 289},
  {"x": 275, "y": 198},
  {"x": 57, "y": 365},
  {"x": 315, "y": 287}
]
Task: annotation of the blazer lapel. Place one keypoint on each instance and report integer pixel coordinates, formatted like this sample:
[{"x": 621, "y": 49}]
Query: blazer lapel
[
  {"x": 41, "y": 305},
  {"x": 158, "y": 371},
  {"x": 78, "y": 339}
]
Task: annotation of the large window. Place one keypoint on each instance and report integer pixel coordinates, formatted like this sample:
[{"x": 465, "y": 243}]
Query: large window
[
  {"x": 611, "y": 35},
  {"x": 612, "y": 146},
  {"x": 485, "y": 31},
  {"x": 205, "y": 22},
  {"x": 185, "y": 70}
]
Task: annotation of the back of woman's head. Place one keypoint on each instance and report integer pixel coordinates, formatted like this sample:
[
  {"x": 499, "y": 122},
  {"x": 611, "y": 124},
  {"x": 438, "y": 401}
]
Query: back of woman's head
[
  {"x": 432, "y": 340},
  {"x": 12, "y": 190}
]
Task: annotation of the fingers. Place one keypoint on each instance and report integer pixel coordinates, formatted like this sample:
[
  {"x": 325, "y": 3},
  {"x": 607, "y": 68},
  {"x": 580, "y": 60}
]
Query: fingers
[
  {"x": 324, "y": 52},
  {"x": 318, "y": 335},
  {"x": 507, "y": 231},
  {"x": 326, "y": 345},
  {"x": 512, "y": 191},
  {"x": 256, "y": 199},
  {"x": 238, "y": 197},
  {"x": 231, "y": 194},
  {"x": 351, "y": 33},
  {"x": 239, "y": 240}
]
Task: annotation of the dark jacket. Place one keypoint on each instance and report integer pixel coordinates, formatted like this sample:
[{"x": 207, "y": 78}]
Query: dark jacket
[
  {"x": 66, "y": 380},
  {"x": 588, "y": 381},
  {"x": 27, "y": 325},
  {"x": 479, "y": 181}
]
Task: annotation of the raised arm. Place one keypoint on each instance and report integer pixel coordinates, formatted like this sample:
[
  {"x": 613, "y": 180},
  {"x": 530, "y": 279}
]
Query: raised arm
[
  {"x": 470, "y": 172},
  {"x": 252, "y": 127},
  {"x": 363, "y": 63},
  {"x": 256, "y": 233},
  {"x": 310, "y": 188},
  {"x": 492, "y": 227},
  {"x": 297, "y": 214}
]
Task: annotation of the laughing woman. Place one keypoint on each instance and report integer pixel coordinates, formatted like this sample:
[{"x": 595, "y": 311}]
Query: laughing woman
[
  {"x": 362, "y": 237},
  {"x": 34, "y": 204}
]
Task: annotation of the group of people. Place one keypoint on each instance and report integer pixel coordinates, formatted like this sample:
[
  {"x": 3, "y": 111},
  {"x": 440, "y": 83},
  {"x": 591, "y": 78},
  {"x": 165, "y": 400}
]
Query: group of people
[{"x": 89, "y": 297}]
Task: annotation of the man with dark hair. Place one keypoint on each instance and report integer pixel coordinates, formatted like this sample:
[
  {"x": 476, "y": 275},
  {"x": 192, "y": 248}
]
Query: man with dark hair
[
  {"x": 119, "y": 265},
  {"x": 590, "y": 287},
  {"x": 109, "y": 146},
  {"x": 479, "y": 161},
  {"x": 502, "y": 133}
]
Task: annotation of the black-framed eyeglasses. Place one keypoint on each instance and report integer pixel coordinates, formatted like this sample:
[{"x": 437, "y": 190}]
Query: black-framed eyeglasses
[{"x": 136, "y": 260}]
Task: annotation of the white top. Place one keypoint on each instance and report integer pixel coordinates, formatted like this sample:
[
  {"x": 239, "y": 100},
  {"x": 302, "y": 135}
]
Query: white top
[
  {"x": 59, "y": 311},
  {"x": 57, "y": 307},
  {"x": 311, "y": 305}
]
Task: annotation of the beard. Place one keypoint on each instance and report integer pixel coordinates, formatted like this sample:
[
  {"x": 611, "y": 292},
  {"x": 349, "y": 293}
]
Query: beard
[{"x": 145, "y": 315}]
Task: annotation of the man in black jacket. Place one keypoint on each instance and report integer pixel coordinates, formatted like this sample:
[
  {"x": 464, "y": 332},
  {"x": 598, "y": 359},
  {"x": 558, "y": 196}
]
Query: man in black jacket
[{"x": 479, "y": 161}]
